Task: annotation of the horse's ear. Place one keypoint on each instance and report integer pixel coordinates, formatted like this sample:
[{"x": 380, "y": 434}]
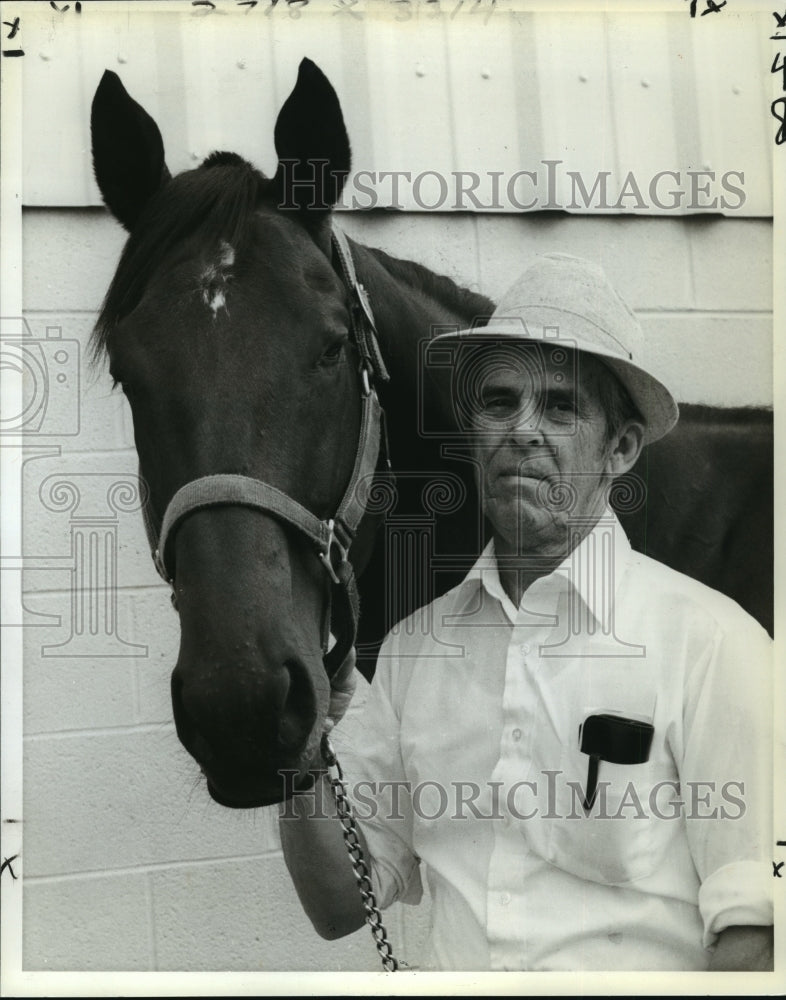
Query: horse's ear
[
  {"x": 312, "y": 144},
  {"x": 128, "y": 152}
]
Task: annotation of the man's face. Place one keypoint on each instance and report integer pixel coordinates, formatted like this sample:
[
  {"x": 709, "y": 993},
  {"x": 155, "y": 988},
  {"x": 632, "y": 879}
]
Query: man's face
[{"x": 541, "y": 435}]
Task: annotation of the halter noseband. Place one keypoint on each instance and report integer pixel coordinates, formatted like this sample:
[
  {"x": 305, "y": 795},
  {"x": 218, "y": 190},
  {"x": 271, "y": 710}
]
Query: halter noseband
[{"x": 332, "y": 538}]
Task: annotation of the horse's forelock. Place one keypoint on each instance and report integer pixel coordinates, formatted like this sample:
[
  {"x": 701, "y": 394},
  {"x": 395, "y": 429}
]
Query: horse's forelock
[
  {"x": 222, "y": 158},
  {"x": 213, "y": 204}
]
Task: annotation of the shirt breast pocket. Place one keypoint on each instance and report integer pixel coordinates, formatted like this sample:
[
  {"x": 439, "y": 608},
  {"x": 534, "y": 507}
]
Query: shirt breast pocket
[
  {"x": 613, "y": 841},
  {"x": 609, "y": 836}
]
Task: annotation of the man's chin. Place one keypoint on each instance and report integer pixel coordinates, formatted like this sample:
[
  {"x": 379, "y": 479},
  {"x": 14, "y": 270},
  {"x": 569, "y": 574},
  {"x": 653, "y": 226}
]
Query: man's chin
[{"x": 534, "y": 526}]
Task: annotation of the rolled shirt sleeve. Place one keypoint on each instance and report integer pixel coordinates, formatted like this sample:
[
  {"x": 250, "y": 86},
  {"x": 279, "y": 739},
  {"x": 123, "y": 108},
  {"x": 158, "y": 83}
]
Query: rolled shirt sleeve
[
  {"x": 739, "y": 894},
  {"x": 728, "y": 748}
]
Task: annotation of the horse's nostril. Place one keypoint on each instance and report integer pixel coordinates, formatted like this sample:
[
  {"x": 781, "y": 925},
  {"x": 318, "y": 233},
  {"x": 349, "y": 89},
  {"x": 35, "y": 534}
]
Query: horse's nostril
[
  {"x": 276, "y": 714},
  {"x": 299, "y": 711},
  {"x": 187, "y": 730}
]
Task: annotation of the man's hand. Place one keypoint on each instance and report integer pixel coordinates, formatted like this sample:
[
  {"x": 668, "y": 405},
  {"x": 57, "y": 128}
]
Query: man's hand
[
  {"x": 342, "y": 687},
  {"x": 315, "y": 852},
  {"x": 743, "y": 949}
]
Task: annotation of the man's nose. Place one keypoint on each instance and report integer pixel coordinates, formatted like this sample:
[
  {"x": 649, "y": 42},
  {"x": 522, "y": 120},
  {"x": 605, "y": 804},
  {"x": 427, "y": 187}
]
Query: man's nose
[{"x": 525, "y": 429}]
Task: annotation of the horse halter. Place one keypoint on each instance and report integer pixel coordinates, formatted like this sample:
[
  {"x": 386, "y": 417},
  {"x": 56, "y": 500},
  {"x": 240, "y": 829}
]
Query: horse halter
[{"x": 333, "y": 537}]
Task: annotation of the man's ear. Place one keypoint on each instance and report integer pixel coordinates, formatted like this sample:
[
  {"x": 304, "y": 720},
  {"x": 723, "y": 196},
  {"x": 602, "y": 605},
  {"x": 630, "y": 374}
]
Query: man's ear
[{"x": 625, "y": 448}]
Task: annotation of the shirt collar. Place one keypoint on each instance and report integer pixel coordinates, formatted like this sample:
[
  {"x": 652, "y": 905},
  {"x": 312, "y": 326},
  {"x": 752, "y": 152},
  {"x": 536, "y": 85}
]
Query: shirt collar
[
  {"x": 486, "y": 573},
  {"x": 593, "y": 570}
]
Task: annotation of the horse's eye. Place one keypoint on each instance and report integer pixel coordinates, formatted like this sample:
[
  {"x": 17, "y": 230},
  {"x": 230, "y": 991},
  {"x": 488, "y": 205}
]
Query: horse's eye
[{"x": 333, "y": 353}]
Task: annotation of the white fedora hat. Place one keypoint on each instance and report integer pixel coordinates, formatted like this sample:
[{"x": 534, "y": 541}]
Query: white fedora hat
[{"x": 565, "y": 300}]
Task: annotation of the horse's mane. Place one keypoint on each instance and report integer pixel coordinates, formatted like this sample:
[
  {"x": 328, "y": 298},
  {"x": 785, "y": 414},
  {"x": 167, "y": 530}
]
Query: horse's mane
[
  {"x": 215, "y": 201},
  {"x": 442, "y": 290}
]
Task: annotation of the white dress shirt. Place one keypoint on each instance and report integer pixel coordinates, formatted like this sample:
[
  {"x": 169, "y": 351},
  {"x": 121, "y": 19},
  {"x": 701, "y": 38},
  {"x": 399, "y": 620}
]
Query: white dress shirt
[{"x": 465, "y": 761}]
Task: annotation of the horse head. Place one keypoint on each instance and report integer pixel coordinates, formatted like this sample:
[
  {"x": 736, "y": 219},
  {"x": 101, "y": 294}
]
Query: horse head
[{"x": 229, "y": 329}]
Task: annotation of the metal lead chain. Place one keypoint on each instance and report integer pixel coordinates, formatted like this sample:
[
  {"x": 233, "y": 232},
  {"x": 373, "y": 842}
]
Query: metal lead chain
[{"x": 355, "y": 851}]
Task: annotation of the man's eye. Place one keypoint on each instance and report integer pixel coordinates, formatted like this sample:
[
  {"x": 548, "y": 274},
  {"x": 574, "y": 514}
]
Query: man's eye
[
  {"x": 499, "y": 403},
  {"x": 562, "y": 407}
]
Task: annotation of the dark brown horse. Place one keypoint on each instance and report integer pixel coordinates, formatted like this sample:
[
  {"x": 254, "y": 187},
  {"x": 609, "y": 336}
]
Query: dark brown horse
[
  {"x": 708, "y": 505},
  {"x": 232, "y": 326},
  {"x": 229, "y": 325}
]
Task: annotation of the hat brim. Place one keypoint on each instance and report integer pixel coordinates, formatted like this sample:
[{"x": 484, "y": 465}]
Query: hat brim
[{"x": 650, "y": 396}]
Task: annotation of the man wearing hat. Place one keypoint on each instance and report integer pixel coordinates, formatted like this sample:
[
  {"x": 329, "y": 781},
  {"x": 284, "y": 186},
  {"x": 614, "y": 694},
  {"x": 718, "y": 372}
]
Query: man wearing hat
[{"x": 572, "y": 746}]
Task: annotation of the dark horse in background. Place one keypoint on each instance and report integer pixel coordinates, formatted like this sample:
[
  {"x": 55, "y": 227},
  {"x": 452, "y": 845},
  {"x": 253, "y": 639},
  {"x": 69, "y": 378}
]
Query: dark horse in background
[{"x": 227, "y": 326}]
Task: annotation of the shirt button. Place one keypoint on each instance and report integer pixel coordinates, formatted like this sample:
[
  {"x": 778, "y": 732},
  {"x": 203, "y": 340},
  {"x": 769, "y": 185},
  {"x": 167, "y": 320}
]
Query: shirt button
[
  {"x": 505, "y": 898},
  {"x": 525, "y": 648},
  {"x": 516, "y": 734}
]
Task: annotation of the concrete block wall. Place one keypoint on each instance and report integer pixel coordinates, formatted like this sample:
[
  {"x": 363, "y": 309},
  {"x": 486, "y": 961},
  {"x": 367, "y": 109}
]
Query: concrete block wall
[{"x": 127, "y": 863}]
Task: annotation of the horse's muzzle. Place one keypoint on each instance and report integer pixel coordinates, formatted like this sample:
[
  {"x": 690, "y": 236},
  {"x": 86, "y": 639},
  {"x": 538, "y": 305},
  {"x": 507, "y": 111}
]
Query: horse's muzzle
[
  {"x": 249, "y": 797},
  {"x": 254, "y": 739}
]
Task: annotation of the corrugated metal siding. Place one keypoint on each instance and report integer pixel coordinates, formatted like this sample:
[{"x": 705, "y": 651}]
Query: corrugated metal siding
[{"x": 625, "y": 93}]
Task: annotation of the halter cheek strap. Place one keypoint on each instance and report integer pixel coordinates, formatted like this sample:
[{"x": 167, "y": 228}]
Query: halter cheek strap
[{"x": 332, "y": 538}]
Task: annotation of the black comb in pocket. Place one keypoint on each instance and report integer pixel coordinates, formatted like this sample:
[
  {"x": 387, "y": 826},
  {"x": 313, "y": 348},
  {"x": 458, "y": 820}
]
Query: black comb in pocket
[{"x": 615, "y": 739}]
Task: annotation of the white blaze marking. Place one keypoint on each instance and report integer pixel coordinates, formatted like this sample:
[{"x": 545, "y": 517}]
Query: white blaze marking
[
  {"x": 215, "y": 278},
  {"x": 217, "y": 302}
]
